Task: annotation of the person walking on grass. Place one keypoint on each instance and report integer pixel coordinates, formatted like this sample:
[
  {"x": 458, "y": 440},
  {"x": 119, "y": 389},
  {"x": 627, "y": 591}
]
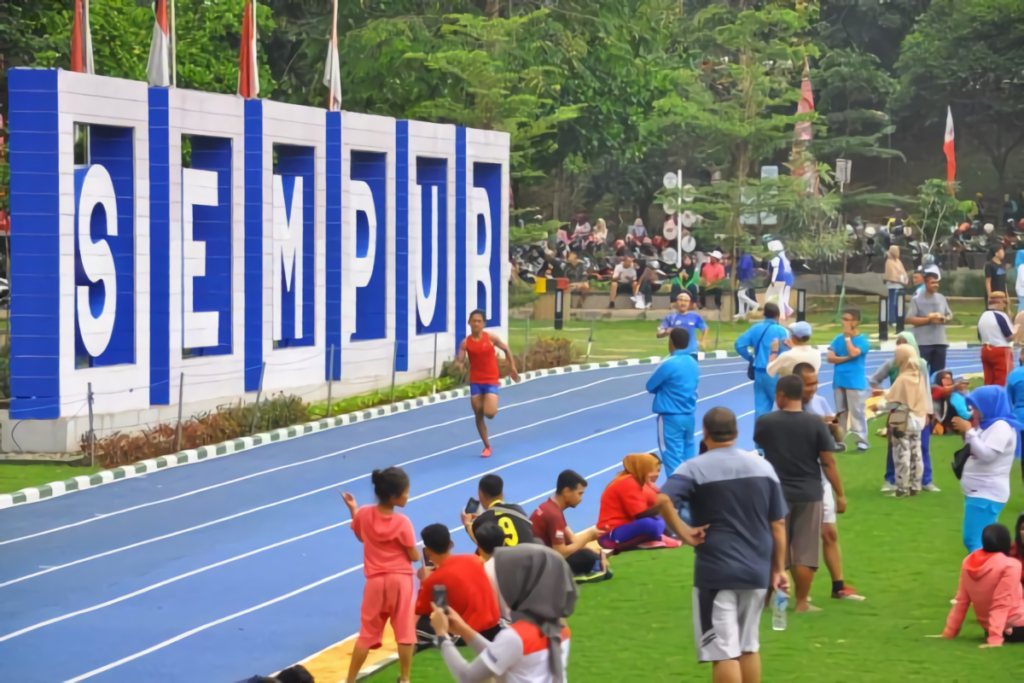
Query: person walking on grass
[
  {"x": 799, "y": 446},
  {"x": 389, "y": 549},
  {"x": 995, "y": 332},
  {"x": 759, "y": 338},
  {"x": 830, "y": 550},
  {"x": 737, "y": 495},
  {"x": 928, "y": 313},
  {"x": 483, "y": 372},
  {"x": 849, "y": 352},
  {"x": 674, "y": 385}
]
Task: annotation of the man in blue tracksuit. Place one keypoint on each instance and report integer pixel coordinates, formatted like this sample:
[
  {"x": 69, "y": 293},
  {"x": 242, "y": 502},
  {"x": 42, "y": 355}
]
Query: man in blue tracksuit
[
  {"x": 674, "y": 385},
  {"x": 760, "y": 337}
]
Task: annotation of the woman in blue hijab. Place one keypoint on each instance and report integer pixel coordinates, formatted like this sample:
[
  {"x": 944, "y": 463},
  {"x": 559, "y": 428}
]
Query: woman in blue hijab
[{"x": 993, "y": 435}]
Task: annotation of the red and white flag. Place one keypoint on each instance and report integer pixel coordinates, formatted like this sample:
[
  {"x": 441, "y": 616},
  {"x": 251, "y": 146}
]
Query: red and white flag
[
  {"x": 81, "y": 40},
  {"x": 159, "y": 66},
  {"x": 948, "y": 148},
  {"x": 248, "y": 70},
  {"x": 803, "y": 133},
  {"x": 332, "y": 69}
]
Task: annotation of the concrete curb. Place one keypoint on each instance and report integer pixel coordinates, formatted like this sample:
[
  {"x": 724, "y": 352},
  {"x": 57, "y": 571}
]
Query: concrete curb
[{"x": 188, "y": 457}]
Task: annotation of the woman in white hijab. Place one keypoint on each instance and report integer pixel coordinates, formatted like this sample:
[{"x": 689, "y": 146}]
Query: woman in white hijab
[{"x": 537, "y": 585}]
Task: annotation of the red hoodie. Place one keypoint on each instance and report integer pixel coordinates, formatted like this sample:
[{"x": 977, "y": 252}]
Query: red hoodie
[{"x": 991, "y": 582}]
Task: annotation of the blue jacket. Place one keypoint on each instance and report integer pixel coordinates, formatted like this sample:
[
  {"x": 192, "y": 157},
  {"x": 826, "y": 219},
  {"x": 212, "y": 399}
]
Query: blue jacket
[
  {"x": 674, "y": 385},
  {"x": 764, "y": 332},
  {"x": 1015, "y": 391}
]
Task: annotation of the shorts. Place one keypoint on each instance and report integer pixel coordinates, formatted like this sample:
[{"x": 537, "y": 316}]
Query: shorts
[
  {"x": 388, "y": 596},
  {"x": 725, "y": 622},
  {"x": 803, "y": 534},
  {"x": 477, "y": 389},
  {"x": 828, "y": 512}
]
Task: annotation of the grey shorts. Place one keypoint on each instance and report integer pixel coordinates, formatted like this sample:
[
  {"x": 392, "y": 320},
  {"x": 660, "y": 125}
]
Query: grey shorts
[
  {"x": 725, "y": 622},
  {"x": 803, "y": 534}
]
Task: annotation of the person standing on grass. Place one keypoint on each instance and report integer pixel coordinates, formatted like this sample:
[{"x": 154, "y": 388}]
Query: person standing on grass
[
  {"x": 895, "y": 281},
  {"x": 759, "y": 338},
  {"x": 929, "y": 313},
  {"x": 738, "y": 497},
  {"x": 799, "y": 446},
  {"x": 550, "y": 528},
  {"x": 909, "y": 402},
  {"x": 389, "y": 549},
  {"x": 849, "y": 352},
  {"x": 483, "y": 372},
  {"x": 684, "y": 318},
  {"x": 674, "y": 385},
  {"x": 830, "y": 550},
  {"x": 788, "y": 353},
  {"x": 992, "y": 435},
  {"x": 995, "y": 332}
]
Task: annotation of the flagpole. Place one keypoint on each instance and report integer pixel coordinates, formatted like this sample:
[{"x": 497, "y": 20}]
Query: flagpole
[
  {"x": 87, "y": 40},
  {"x": 174, "y": 50}
]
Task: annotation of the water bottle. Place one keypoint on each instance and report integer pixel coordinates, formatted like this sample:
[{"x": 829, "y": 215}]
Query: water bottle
[{"x": 779, "y": 604}]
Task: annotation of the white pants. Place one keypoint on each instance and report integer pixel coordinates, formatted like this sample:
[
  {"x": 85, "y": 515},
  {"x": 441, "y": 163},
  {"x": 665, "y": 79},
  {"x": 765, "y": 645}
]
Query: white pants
[
  {"x": 851, "y": 401},
  {"x": 779, "y": 293}
]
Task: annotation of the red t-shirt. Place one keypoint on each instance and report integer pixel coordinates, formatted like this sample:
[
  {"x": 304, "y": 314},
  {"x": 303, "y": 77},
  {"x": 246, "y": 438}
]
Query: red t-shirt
[
  {"x": 713, "y": 272},
  {"x": 385, "y": 539},
  {"x": 621, "y": 502},
  {"x": 549, "y": 524},
  {"x": 469, "y": 591},
  {"x": 483, "y": 363}
]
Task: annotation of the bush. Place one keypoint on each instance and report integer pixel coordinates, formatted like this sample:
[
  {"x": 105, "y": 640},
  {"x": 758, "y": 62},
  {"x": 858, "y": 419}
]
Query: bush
[
  {"x": 520, "y": 294},
  {"x": 969, "y": 283},
  {"x": 549, "y": 352},
  {"x": 379, "y": 397}
]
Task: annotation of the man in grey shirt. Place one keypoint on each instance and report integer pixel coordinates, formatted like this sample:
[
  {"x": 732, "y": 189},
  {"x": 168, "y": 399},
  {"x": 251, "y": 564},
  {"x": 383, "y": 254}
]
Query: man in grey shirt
[{"x": 929, "y": 313}]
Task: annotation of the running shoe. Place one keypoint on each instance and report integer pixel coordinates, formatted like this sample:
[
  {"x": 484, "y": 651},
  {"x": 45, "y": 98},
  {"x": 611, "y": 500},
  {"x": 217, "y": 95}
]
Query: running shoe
[
  {"x": 486, "y": 453},
  {"x": 932, "y": 488},
  {"x": 595, "y": 577},
  {"x": 862, "y": 446},
  {"x": 848, "y": 593},
  {"x": 887, "y": 487}
]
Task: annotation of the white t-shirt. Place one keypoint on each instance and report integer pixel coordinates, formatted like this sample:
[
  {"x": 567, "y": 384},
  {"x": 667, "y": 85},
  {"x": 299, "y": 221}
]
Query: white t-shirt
[
  {"x": 987, "y": 471},
  {"x": 624, "y": 274},
  {"x": 990, "y": 332},
  {"x": 785, "y": 362}
]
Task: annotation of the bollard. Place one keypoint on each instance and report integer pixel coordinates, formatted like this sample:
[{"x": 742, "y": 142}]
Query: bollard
[
  {"x": 559, "y": 304},
  {"x": 899, "y": 312},
  {"x": 883, "y": 322},
  {"x": 801, "y": 305}
]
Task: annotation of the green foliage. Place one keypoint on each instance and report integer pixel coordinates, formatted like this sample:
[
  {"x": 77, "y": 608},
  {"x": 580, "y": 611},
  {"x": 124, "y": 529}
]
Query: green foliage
[
  {"x": 520, "y": 294},
  {"x": 936, "y": 211},
  {"x": 379, "y": 397}
]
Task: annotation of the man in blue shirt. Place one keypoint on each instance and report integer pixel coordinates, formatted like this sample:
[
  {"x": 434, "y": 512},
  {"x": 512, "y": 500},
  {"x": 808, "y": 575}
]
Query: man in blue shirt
[
  {"x": 682, "y": 317},
  {"x": 674, "y": 385},
  {"x": 849, "y": 352},
  {"x": 760, "y": 338}
]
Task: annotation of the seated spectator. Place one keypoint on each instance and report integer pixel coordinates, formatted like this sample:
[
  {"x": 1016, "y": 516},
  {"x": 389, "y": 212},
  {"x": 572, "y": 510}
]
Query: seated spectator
[
  {"x": 990, "y": 581},
  {"x": 711, "y": 276},
  {"x": 791, "y": 352},
  {"x": 636, "y": 233},
  {"x": 682, "y": 317},
  {"x": 535, "y": 647},
  {"x": 600, "y": 234},
  {"x": 949, "y": 395},
  {"x": 490, "y": 537},
  {"x": 624, "y": 273},
  {"x": 627, "y": 518},
  {"x": 492, "y": 508},
  {"x": 550, "y": 528},
  {"x": 1017, "y": 549},
  {"x": 294, "y": 674},
  {"x": 463, "y": 576},
  {"x": 579, "y": 278}
]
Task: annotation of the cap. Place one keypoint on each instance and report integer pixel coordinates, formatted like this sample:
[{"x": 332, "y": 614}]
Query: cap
[
  {"x": 716, "y": 254},
  {"x": 801, "y": 329},
  {"x": 775, "y": 245}
]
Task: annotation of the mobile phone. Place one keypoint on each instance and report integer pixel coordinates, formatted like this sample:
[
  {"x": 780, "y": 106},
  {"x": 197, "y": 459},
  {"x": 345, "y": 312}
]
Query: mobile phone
[
  {"x": 472, "y": 506},
  {"x": 441, "y": 597}
]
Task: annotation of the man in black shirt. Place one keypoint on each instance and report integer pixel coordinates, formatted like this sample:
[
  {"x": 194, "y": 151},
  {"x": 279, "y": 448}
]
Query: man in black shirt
[
  {"x": 512, "y": 519},
  {"x": 995, "y": 272},
  {"x": 799, "y": 446}
]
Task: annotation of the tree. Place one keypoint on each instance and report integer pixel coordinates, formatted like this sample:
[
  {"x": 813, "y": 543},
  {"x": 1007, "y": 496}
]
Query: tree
[{"x": 969, "y": 54}]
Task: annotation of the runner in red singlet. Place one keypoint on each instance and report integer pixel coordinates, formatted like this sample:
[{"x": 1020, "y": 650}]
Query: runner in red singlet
[{"x": 483, "y": 372}]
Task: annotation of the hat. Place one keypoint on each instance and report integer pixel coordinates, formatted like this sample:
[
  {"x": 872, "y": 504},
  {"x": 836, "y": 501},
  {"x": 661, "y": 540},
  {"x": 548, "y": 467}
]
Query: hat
[
  {"x": 775, "y": 245},
  {"x": 716, "y": 254},
  {"x": 801, "y": 329}
]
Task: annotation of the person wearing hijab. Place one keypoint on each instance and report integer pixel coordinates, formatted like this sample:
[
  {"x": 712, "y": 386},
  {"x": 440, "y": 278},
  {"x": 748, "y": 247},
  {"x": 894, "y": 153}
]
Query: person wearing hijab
[
  {"x": 537, "y": 585},
  {"x": 992, "y": 434},
  {"x": 636, "y": 232},
  {"x": 626, "y": 516},
  {"x": 895, "y": 281},
  {"x": 908, "y": 400},
  {"x": 600, "y": 234}
]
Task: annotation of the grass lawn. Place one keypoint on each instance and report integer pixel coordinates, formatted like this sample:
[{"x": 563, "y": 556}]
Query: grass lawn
[
  {"x": 904, "y": 555},
  {"x": 17, "y": 477}
]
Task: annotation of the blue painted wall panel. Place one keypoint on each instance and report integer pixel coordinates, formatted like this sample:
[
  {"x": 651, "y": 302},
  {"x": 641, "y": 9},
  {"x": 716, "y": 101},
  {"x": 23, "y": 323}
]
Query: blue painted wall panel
[
  {"x": 371, "y": 301},
  {"x": 430, "y": 173},
  {"x": 253, "y": 243},
  {"x": 294, "y": 162},
  {"x": 488, "y": 176},
  {"x": 460, "y": 236},
  {"x": 333, "y": 244},
  {"x": 401, "y": 246}
]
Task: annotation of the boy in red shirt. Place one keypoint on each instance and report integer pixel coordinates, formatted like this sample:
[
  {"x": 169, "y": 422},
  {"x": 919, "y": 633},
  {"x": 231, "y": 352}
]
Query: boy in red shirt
[
  {"x": 463, "y": 576},
  {"x": 483, "y": 372},
  {"x": 550, "y": 528}
]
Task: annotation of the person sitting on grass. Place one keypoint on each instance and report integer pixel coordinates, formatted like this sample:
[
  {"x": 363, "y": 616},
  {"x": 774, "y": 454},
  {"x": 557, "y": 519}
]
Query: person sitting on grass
[
  {"x": 551, "y": 529},
  {"x": 490, "y": 537},
  {"x": 990, "y": 581},
  {"x": 949, "y": 396},
  {"x": 537, "y": 583},
  {"x": 1017, "y": 549},
  {"x": 463, "y": 576},
  {"x": 491, "y": 490}
]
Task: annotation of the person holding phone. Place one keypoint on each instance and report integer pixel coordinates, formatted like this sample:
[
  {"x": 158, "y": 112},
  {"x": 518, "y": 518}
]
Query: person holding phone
[
  {"x": 849, "y": 352},
  {"x": 491, "y": 507},
  {"x": 484, "y": 381}
]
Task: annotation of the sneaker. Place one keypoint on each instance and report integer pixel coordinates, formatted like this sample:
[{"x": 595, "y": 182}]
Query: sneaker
[
  {"x": 863, "y": 446},
  {"x": 887, "y": 487},
  {"x": 848, "y": 593},
  {"x": 486, "y": 453},
  {"x": 611, "y": 304},
  {"x": 651, "y": 545},
  {"x": 932, "y": 488},
  {"x": 901, "y": 493},
  {"x": 639, "y": 305},
  {"x": 840, "y": 447},
  {"x": 671, "y": 542},
  {"x": 596, "y": 577}
]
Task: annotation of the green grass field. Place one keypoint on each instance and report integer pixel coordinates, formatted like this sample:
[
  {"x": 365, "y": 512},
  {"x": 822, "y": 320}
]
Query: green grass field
[
  {"x": 904, "y": 555},
  {"x": 17, "y": 477}
]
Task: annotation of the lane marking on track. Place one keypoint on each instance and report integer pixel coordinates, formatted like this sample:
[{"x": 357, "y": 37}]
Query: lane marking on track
[{"x": 204, "y": 489}]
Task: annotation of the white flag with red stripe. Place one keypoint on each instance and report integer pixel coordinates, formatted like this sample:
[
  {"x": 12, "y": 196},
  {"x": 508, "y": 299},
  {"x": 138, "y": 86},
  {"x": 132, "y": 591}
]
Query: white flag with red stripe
[
  {"x": 159, "y": 66},
  {"x": 332, "y": 69},
  {"x": 81, "y": 39},
  {"x": 949, "y": 149},
  {"x": 248, "y": 71}
]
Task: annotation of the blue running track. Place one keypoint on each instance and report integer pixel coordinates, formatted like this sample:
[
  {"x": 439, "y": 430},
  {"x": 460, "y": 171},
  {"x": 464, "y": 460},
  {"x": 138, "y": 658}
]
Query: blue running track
[{"x": 245, "y": 564}]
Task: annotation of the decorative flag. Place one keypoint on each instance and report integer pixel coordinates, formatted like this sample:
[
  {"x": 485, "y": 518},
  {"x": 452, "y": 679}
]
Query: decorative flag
[
  {"x": 803, "y": 133},
  {"x": 159, "y": 66},
  {"x": 332, "y": 69},
  {"x": 948, "y": 148},
  {"x": 248, "y": 71},
  {"x": 81, "y": 39}
]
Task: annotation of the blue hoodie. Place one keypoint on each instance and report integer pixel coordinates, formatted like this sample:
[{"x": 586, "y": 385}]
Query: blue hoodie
[{"x": 674, "y": 385}]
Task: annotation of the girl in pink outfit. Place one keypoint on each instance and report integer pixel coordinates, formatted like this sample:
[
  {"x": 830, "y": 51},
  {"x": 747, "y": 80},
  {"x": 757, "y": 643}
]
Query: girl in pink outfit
[
  {"x": 389, "y": 549},
  {"x": 990, "y": 580}
]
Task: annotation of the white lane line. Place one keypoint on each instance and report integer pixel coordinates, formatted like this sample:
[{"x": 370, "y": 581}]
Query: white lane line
[
  {"x": 320, "y": 582},
  {"x": 304, "y": 462}
]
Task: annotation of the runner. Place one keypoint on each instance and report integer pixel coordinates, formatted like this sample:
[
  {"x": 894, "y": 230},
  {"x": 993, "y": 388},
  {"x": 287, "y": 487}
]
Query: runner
[{"x": 483, "y": 372}]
